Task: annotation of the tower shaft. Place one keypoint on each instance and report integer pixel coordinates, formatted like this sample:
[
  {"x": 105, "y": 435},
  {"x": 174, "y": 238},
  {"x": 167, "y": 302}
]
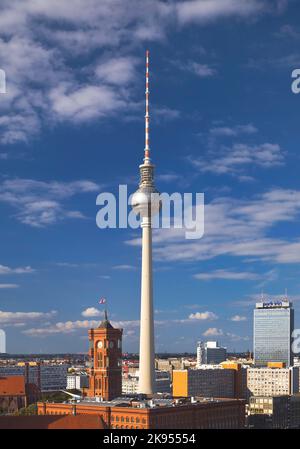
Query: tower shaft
[
  {"x": 146, "y": 204},
  {"x": 147, "y": 353}
]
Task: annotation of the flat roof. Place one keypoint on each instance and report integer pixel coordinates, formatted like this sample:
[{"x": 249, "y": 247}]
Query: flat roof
[{"x": 136, "y": 403}]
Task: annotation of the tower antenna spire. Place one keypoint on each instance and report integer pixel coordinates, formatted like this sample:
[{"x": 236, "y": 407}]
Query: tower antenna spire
[{"x": 147, "y": 117}]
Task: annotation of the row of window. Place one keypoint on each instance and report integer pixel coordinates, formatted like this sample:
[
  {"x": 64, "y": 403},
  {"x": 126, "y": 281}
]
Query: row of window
[{"x": 128, "y": 419}]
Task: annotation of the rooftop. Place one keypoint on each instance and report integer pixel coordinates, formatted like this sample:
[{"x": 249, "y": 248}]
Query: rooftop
[
  {"x": 52, "y": 422},
  {"x": 12, "y": 385},
  {"x": 155, "y": 402}
]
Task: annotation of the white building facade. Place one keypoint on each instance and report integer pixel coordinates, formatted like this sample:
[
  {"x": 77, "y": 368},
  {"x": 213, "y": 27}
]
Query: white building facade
[
  {"x": 210, "y": 353},
  {"x": 2, "y": 342},
  {"x": 273, "y": 381},
  {"x": 77, "y": 381}
]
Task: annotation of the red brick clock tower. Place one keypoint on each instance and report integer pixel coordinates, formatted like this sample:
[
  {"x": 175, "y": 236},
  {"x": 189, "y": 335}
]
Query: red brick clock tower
[{"x": 105, "y": 354}]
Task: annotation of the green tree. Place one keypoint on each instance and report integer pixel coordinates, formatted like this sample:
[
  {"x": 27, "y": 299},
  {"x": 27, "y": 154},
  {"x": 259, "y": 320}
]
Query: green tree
[{"x": 26, "y": 411}]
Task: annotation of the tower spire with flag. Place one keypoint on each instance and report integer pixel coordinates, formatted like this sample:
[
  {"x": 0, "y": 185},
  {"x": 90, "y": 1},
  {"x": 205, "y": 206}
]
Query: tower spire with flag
[{"x": 103, "y": 301}]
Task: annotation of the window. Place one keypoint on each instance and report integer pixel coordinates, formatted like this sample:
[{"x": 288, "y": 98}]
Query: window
[{"x": 99, "y": 359}]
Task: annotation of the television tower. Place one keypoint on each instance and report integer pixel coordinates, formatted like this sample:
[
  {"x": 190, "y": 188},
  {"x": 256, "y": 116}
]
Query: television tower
[{"x": 145, "y": 202}]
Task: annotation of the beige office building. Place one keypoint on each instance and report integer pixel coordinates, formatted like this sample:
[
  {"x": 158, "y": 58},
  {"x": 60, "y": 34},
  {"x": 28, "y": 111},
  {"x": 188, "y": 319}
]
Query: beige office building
[{"x": 272, "y": 381}]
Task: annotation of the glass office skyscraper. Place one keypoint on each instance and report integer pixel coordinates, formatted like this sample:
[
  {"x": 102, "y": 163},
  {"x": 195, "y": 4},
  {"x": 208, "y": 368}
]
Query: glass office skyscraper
[{"x": 273, "y": 327}]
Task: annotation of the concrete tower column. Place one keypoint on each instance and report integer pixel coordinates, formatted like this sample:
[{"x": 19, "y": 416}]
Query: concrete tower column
[
  {"x": 147, "y": 352},
  {"x": 145, "y": 202}
]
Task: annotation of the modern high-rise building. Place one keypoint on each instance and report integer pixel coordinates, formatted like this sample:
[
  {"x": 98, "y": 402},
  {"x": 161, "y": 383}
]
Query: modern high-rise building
[
  {"x": 210, "y": 353},
  {"x": 145, "y": 203},
  {"x": 2, "y": 342},
  {"x": 272, "y": 335}
]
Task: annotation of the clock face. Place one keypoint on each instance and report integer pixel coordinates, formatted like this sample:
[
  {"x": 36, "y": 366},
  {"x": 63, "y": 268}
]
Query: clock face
[
  {"x": 99, "y": 344},
  {"x": 111, "y": 344}
]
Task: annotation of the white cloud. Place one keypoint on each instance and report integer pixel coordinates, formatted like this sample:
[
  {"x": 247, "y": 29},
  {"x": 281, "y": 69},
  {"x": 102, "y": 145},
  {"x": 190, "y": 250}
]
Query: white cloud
[
  {"x": 4, "y": 286},
  {"x": 237, "y": 228},
  {"x": 234, "y": 337},
  {"x": 225, "y": 274},
  {"x": 164, "y": 113},
  {"x": 85, "y": 103},
  {"x": 51, "y": 34},
  {"x": 209, "y": 316},
  {"x": 124, "y": 267},
  {"x": 12, "y": 318},
  {"x": 233, "y": 131},
  {"x": 19, "y": 270},
  {"x": 40, "y": 203},
  {"x": 203, "y": 11},
  {"x": 212, "y": 332},
  {"x": 168, "y": 177},
  {"x": 238, "y": 318},
  {"x": 233, "y": 160},
  {"x": 91, "y": 312},
  {"x": 119, "y": 70},
  {"x": 73, "y": 326},
  {"x": 201, "y": 70}
]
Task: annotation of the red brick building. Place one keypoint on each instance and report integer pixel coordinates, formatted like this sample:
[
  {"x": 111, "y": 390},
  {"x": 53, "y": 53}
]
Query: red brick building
[
  {"x": 105, "y": 355},
  {"x": 157, "y": 414},
  {"x": 12, "y": 394}
]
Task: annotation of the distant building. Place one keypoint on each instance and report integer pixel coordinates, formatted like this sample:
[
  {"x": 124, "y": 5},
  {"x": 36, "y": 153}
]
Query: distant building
[
  {"x": 2, "y": 342},
  {"x": 273, "y": 327},
  {"x": 162, "y": 383},
  {"x": 130, "y": 385},
  {"x": 267, "y": 412},
  {"x": 46, "y": 377},
  {"x": 173, "y": 363},
  {"x": 273, "y": 381},
  {"x": 207, "y": 381},
  {"x": 12, "y": 394},
  {"x": 210, "y": 353},
  {"x": 77, "y": 381},
  {"x": 240, "y": 378},
  {"x": 294, "y": 412},
  {"x": 126, "y": 413},
  {"x": 277, "y": 412}
]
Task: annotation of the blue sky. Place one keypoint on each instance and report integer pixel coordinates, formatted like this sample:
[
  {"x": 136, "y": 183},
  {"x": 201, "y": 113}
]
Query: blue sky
[{"x": 224, "y": 121}]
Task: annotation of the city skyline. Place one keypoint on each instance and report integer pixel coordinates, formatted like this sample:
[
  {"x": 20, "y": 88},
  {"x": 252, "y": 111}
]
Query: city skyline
[{"x": 224, "y": 122}]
